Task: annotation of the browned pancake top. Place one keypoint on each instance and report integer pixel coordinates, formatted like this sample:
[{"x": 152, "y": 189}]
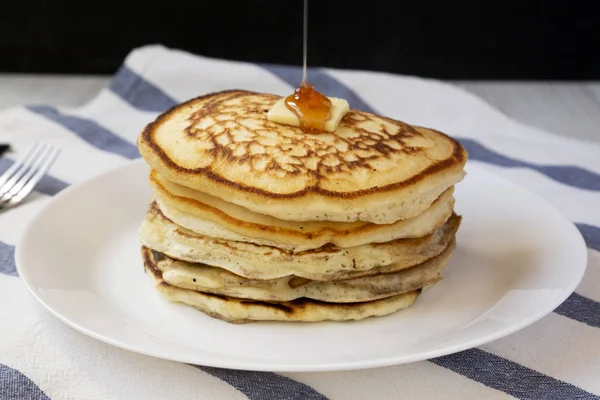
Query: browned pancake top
[{"x": 224, "y": 144}]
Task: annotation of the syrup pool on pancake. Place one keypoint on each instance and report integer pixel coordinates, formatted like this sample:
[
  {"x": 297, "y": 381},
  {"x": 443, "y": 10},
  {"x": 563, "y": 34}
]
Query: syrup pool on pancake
[{"x": 311, "y": 107}]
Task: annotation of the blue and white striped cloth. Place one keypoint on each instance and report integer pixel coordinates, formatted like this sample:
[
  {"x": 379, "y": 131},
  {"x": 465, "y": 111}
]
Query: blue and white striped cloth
[{"x": 41, "y": 358}]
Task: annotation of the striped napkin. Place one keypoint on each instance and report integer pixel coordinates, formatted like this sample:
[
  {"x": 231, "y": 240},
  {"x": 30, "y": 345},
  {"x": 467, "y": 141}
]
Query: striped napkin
[{"x": 41, "y": 358}]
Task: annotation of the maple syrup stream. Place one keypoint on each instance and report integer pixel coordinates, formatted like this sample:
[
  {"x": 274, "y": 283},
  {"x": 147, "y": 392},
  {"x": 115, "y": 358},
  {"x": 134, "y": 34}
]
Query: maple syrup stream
[{"x": 311, "y": 107}]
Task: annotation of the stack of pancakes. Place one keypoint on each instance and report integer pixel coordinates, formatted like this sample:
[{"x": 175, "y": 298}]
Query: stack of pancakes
[{"x": 254, "y": 220}]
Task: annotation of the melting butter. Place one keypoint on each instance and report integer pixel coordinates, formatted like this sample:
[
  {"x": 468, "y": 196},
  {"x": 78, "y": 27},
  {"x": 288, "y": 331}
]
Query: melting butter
[{"x": 281, "y": 114}]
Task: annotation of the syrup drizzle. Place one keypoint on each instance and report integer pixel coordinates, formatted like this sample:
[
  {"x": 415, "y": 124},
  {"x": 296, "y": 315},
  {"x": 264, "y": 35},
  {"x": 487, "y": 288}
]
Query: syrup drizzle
[
  {"x": 304, "y": 41},
  {"x": 311, "y": 107}
]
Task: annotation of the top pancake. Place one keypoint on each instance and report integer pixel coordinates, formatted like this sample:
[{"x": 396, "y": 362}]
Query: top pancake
[{"x": 371, "y": 168}]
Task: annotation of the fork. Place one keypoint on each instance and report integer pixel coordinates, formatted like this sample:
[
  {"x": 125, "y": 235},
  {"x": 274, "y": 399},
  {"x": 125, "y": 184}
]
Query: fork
[{"x": 22, "y": 177}]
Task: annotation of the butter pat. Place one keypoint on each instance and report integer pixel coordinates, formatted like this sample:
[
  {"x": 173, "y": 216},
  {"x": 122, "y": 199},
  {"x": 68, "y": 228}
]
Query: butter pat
[{"x": 280, "y": 114}]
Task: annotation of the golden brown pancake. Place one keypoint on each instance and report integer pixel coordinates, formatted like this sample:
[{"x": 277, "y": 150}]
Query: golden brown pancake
[
  {"x": 264, "y": 262},
  {"x": 210, "y": 216},
  {"x": 207, "y": 279},
  {"x": 236, "y": 310},
  {"x": 371, "y": 168}
]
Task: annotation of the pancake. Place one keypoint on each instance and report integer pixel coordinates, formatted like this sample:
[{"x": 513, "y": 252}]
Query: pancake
[
  {"x": 236, "y": 310},
  {"x": 263, "y": 262},
  {"x": 371, "y": 168},
  {"x": 210, "y": 216},
  {"x": 207, "y": 279}
]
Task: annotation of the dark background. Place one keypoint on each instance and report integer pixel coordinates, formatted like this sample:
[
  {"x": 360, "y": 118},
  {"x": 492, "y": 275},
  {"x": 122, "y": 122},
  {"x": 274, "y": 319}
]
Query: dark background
[{"x": 461, "y": 39}]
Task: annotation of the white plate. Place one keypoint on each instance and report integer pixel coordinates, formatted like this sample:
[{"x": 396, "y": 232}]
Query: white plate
[{"x": 517, "y": 259}]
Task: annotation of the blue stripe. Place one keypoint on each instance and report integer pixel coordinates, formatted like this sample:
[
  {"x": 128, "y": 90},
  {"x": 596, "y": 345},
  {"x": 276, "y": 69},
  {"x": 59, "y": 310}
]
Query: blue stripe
[
  {"x": 591, "y": 234},
  {"x": 581, "y": 309},
  {"x": 14, "y": 385},
  {"x": 138, "y": 92},
  {"x": 7, "y": 260},
  {"x": 48, "y": 185},
  {"x": 576, "y": 306},
  {"x": 509, "y": 377},
  {"x": 264, "y": 385},
  {"x": 568, "y": 175},
  {"x": 90, "y": 131}
]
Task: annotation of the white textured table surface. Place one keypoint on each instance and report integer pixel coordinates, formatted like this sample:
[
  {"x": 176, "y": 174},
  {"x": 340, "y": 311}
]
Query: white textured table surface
[{"x": 567, "y": 109}]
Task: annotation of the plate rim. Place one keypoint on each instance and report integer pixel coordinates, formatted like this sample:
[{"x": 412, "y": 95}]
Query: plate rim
[{"x": 375, "y": 362}]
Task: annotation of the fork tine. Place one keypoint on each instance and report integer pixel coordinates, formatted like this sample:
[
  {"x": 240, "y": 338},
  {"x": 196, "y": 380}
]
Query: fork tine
[
  {"x": 36, "y": 178},
  {"x": 18, "y": 163},
  {"x": 21, "y": 170},
  {"x": 45, "y": 152}
]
